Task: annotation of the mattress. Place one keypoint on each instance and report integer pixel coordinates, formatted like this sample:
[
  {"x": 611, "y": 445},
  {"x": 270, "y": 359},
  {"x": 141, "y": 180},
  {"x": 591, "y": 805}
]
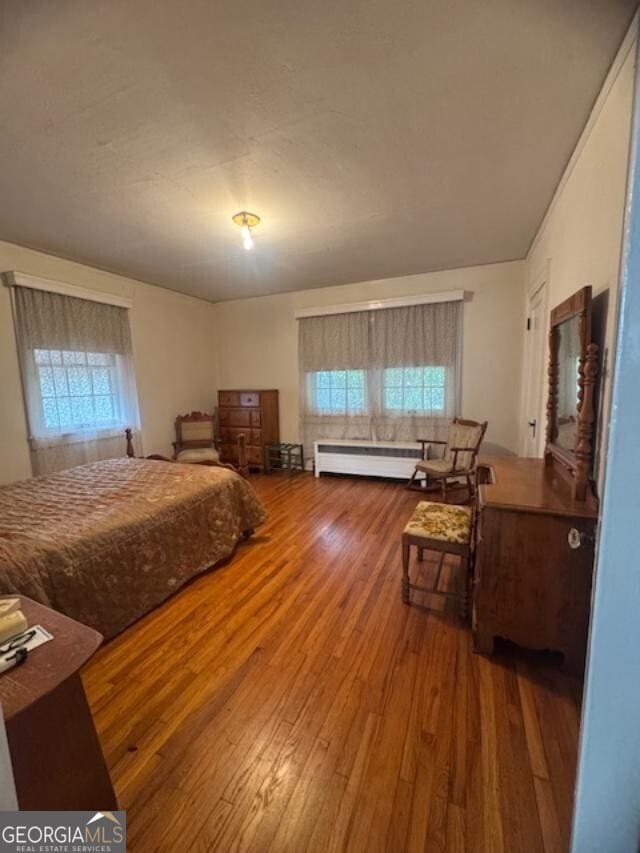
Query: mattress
[{"x": 106, "y": 542}]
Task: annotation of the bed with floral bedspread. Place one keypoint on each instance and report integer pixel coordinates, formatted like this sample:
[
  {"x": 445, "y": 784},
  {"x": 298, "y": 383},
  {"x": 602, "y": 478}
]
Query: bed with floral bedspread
[{"x": 106, "y": 542}]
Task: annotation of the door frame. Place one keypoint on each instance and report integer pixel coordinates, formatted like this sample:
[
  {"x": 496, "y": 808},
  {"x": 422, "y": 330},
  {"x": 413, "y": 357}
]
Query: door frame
[
  {"x": 538, "y": 282},
  {"x": 607, "y": 797}
]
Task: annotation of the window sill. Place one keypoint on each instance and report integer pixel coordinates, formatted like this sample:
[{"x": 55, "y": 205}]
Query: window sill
[{"x": 59, "y": 439}]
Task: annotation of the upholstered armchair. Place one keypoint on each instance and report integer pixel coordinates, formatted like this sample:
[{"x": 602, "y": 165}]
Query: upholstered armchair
[
  {"x": 458, "y": 461},
  {"x": 195, "y": 438}
]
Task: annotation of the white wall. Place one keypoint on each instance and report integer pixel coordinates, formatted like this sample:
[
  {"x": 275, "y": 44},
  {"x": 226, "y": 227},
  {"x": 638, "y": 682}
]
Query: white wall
[
  {"x": 581, "y": 237},
  {"x": 174, "y": 351},
  {"x": 185, "y": 348},
  {"x": 258, "y": 341}
]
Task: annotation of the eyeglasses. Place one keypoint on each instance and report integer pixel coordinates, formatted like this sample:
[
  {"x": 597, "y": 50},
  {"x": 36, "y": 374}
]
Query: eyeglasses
[{"x": 17, "y": 642}]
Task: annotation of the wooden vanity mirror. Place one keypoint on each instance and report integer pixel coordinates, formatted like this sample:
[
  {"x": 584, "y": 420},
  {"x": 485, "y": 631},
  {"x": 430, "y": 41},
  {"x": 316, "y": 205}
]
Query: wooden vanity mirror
[{"x": 573, "y": 370}]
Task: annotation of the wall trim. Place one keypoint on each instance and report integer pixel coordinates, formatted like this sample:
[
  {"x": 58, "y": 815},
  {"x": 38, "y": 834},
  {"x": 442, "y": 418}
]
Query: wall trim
[
  {"x": 379, "y": 304},
  {"x": 627, "y": 45},
  {"x": 14, "y": 278}
]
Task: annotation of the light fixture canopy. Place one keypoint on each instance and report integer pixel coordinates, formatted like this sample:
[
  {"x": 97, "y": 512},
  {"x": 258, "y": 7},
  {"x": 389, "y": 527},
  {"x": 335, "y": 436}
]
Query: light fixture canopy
[{"x": 246, "y": 221}]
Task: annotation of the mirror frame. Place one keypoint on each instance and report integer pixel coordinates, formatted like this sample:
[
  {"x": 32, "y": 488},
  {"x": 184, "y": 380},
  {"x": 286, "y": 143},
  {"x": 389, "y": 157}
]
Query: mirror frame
[{"x": 579, "y": 461}]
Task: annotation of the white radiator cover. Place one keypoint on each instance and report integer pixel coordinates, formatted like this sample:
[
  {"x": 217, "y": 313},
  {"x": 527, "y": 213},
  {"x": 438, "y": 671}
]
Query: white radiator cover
[{"x": 368, "y": 458}]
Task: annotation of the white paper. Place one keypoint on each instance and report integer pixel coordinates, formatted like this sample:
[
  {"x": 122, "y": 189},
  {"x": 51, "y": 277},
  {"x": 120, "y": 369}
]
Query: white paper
[{"x": 41, "y": 636}]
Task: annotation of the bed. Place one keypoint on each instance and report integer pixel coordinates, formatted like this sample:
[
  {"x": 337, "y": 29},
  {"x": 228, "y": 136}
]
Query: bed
[{"x": 106, "y": 542}]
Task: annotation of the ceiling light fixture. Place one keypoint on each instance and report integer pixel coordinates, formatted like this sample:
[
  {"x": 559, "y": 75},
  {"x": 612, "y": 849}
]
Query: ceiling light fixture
[{"x": 246, "y": 221}]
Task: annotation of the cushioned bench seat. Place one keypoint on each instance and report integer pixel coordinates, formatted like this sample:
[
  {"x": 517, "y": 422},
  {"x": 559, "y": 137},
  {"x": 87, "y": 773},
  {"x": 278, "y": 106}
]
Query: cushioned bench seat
[
  {"x": 445, "y": 522},
  {"x": 446, "y": 528}
]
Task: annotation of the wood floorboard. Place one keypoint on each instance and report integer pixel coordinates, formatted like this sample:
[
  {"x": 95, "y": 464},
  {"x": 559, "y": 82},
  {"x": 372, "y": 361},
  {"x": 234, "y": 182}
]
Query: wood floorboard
[{"x": 288, "y": 701}]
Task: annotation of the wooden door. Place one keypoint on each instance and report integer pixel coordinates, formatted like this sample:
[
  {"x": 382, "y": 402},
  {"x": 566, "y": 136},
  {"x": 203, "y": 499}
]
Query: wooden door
[{"x": 535, "y": 374}]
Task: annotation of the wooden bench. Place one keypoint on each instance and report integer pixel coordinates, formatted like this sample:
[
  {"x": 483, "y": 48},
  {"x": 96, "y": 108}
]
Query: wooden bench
[{"x": 447, "y": 529}]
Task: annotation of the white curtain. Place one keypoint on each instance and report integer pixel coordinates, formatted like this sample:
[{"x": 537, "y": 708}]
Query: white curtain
[
  {"x": 401, "y": 371},
  {"x": 78, "y": 378}
]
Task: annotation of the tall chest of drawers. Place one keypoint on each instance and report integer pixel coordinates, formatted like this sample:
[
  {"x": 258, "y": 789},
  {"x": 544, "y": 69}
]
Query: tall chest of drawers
[{"x": 252, "y": 413}]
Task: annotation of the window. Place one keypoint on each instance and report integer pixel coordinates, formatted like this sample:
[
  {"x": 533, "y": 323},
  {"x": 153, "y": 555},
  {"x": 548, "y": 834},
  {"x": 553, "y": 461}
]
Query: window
[
  {"x": 387, "y": 374},
  {"x": 78, "y": 377},
  {"x": 414, "y": 389},
  {"x": 339, "y": 391},
  {"x": 78, "y": 390}
]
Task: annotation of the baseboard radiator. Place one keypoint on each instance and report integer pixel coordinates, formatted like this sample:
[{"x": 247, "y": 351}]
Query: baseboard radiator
[{"x": 366, "y": 458}]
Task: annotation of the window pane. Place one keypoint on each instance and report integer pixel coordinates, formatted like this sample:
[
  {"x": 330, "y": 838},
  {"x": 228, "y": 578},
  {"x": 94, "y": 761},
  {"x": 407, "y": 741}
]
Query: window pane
[
  {"x": 339, "y": 390},
  {"x": 393, "y": 398},
  {"x": 434, "y": 376},
  {"x": 69, "y": 357},
  {"x": 355, "y": 399},
  {"x": 413, "y": 376},
  {"x": 101, "y": 380},
  {"x": 355, "y": 378},
  {"x": 437, "y": 399},
  {"x": 415, "y": 389},
  {"x": 50, "y": 413},
  {"x": 393, "y": 376},
  {"x": 75, "y": 395},
  {"x": 104, "y": 409},
  {"x": 60, "y": 381},
  {"x": 413, "y": 398},
  {"x": 82, "y": 410},
  {"x": 323, "y": 399},
  {"x": 46, "y": 382},
  {"x": 64, "y": 411},
  {"x": 79, "y": 381},
  {"x": 338, "y": 400}
]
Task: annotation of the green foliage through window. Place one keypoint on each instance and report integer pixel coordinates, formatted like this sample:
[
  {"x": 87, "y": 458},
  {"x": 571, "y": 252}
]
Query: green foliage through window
[
  {"x": 409, "y": 390},
  {"x": 340, "y": 391},
  {"x": 414, "y": 389}
]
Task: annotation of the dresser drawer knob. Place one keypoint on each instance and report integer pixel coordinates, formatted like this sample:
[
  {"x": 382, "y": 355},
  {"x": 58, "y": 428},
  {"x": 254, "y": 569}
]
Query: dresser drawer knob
[{"x": 576, "y": 539}]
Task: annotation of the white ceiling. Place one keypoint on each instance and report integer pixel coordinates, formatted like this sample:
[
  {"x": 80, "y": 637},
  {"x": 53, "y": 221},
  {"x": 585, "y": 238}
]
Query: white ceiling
[{"x": 375, "y": 138}]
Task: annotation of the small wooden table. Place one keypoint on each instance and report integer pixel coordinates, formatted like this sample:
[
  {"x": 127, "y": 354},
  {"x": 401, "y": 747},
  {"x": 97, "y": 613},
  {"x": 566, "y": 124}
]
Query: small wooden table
[{"x": 56, "y": 755}]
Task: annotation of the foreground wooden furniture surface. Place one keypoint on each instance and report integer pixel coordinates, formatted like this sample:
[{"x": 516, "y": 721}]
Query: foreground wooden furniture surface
[
  {"x": 534, "y": 559},
  {"x": 305, "y": 708},
  {"x": 252, "y": 413},
  {"x": 56, "y": 755}
]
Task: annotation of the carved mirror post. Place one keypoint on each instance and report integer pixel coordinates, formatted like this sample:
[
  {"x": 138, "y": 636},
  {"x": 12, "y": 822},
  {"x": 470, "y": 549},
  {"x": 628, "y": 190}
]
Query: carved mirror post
[{"x": 573, "y": 371}]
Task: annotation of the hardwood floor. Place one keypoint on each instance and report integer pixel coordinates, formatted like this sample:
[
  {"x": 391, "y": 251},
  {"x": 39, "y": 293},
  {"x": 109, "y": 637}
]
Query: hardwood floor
[{"x": 289, "y": 701}]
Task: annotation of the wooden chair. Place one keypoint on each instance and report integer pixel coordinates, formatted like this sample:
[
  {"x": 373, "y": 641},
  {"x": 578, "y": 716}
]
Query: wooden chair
[
  {"x": 195, "y": 438},
  {"x": 447, "y": 529},
  {"x": 241, "y": 468},
  {"x": 459, "y": 460}
]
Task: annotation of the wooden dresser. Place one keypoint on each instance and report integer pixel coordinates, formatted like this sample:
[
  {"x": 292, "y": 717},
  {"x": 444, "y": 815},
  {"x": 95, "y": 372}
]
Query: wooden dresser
[
  {"x": 254, "y": 413},
  {"x": 530, "y": 585}
]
